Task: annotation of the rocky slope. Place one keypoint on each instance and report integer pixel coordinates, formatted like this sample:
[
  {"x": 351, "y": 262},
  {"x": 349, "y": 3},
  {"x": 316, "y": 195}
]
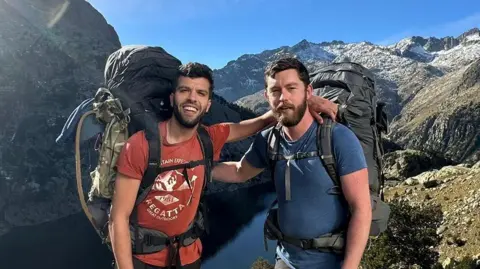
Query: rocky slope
[
  {"x": 430, "y": 86},
  {"x": 456, "y": 189},
  {"x": 444, "y": 116},
  {"x": 53, "y": 54},
  {"x": 402, "y": 164}
]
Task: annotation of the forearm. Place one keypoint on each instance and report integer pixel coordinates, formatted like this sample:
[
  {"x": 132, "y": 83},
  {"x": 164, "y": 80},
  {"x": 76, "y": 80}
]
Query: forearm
[
  {"x": 120, "y": 237},
  {"x": 357, "y": 237},
  {"x": 246, "y": 128},
  {"x": 228, "y": 172}
]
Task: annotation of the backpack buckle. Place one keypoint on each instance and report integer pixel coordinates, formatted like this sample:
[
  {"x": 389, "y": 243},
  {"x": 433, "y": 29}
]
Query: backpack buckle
[
  {"x": 148, "y": 240},
  {"x": 306, "y": 244}
]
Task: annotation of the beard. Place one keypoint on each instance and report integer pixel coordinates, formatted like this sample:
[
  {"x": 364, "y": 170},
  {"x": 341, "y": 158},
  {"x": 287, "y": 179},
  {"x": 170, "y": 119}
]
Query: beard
[
  {"x": 292, "y": 116},
  {"x": 183, "y": 120}
]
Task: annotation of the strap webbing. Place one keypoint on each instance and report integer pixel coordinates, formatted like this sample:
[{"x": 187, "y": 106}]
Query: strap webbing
[
  {"x": 324, "y": 145},
  {"x": 273, "y": 142},
  {"x": 207, "y": 149}
]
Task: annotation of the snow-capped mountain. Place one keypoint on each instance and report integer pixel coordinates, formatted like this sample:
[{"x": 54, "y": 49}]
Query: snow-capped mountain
[{"x": 402, "y": 69}]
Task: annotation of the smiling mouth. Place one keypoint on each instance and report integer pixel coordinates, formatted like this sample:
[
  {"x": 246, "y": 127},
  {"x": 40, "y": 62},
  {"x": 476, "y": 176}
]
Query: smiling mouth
[{"x": 190, "y": 109}]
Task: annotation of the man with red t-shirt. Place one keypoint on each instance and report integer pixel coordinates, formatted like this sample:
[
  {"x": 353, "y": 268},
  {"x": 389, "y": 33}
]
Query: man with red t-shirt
[{"x": 172, "y": 203}]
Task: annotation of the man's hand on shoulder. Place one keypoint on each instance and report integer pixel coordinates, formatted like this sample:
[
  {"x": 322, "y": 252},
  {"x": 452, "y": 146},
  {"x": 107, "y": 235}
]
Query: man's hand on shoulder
[{"x": 317, "y": 104}]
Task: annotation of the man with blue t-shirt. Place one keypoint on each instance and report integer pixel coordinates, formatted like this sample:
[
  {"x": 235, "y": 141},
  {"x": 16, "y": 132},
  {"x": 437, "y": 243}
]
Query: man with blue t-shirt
[{"x": 306, "y": 207}]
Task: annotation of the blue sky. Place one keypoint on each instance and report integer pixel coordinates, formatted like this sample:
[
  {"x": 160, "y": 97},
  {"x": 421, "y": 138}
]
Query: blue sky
[{"x": 217, "y": 31}]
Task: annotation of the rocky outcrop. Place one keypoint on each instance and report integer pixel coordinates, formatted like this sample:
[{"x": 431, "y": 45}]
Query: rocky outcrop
[
  {"x": 444, "y": 117},
  {"x": 53, "y": 54},
  {"x": 457, "y": 190},
  {"x": 402, "y": 164}
]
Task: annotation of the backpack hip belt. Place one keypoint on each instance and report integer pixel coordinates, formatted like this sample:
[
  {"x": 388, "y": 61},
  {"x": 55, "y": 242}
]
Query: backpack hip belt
[
  {"x": 147, "y": 241},
  {"x": 330, "y": 242}
]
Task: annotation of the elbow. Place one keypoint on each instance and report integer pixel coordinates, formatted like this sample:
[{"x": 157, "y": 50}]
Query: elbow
[
  {"x": 362, "y": 212},
  {"x": 240, "y": 175},
  {"x": 118, "y": 219}
]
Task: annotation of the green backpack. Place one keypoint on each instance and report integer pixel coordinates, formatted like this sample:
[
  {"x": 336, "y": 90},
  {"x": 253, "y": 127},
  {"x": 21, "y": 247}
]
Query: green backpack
[{"x": 139, "y": 81}]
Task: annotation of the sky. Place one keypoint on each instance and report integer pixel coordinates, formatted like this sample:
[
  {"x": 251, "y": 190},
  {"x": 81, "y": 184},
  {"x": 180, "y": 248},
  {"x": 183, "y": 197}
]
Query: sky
[{"x": 215, "y": 32}]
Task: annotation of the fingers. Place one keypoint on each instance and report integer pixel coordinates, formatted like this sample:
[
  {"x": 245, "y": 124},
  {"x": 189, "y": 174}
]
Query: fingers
[
  {"x": 318, "y": 118},
  {"x": 332, "y": 115}
]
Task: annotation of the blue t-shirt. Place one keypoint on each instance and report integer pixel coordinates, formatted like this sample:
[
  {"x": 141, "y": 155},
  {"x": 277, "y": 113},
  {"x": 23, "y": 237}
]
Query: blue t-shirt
[{"x": 311, "y": 211}]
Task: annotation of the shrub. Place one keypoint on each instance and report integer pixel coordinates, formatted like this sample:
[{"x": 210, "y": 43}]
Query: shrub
[
  {"x": 261, "y": 263},
  {"x": 410, "y": 239}
]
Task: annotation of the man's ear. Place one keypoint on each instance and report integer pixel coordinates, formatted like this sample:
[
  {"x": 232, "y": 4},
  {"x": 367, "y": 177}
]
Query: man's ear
[
  {"x": 309, "y": 91},
  {"x": 171, "y": 99},
  {"x": 265, "y": 94},
  {"x": 208, "y": 105}
]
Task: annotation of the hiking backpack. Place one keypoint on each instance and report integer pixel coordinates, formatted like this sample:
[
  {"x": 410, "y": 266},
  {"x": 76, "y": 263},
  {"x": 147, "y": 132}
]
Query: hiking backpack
[
  {"x": 352, "y": 87},
  {"x": 136, "y": 97}
]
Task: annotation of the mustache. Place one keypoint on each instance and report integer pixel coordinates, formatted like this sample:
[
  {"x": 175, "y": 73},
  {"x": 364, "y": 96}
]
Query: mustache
[
  {"x": 194, "y": 104},
  {"x": 285, "y": 106}
]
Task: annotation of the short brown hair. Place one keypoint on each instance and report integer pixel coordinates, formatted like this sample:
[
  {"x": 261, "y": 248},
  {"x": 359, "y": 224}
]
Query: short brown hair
[
  {"x": 197, "y": 70},
  {"x": 284, "y": 64}
]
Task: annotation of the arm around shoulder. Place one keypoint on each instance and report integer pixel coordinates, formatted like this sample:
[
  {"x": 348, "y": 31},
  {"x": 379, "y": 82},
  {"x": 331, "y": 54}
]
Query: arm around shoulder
[
  {"x": 246, "y": 128},
  {"x": 252, "y": 163},
  {"x": 235, "y": 172}
]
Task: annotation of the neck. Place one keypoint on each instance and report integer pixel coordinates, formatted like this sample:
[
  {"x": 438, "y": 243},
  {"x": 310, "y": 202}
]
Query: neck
[
  {"x": 295, "y": 132},
  {"x": 177, "y": 133}
]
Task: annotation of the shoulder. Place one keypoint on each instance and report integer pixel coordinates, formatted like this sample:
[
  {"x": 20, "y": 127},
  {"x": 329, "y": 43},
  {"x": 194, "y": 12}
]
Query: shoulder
[
  {"x": 265, "y": 133},
  {"x": 218, "y": 130},
  {"x": 340, "y": 129},
  {"x": 137, "y": 139},
  {"x": 342, "y": 134}
]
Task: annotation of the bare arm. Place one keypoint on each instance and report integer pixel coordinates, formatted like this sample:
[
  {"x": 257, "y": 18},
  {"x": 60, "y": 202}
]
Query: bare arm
[
  {"x": 122, "y": 205},
  {"x": 235, "y": 172},
  {"x": 246, "y": 128},
  {"x": 356, "y": 191}
]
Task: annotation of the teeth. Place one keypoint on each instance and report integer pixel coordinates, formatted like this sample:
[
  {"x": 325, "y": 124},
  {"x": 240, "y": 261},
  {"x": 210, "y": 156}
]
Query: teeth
[{"x": 189, "y": 108}]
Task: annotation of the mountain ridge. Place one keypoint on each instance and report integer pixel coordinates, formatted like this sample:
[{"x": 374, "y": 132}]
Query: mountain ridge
[{"x": 395, "y": 65}]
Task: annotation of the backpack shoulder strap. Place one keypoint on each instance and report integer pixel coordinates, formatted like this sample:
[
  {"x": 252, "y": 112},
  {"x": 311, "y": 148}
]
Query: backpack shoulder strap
[
  {"x": 152, "y": 135},
  {"x": 273, "y": 141},
  {"x": 207, "y": 149},
  {"x": 324, "y": 146}
]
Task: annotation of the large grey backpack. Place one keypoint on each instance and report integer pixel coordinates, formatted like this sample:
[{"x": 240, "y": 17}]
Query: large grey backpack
[{"x": 352, "y": 87}]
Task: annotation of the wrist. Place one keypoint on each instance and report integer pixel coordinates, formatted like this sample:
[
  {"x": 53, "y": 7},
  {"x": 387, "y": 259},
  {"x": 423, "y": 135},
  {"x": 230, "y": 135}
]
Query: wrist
[{"x": 268, "y": 117}]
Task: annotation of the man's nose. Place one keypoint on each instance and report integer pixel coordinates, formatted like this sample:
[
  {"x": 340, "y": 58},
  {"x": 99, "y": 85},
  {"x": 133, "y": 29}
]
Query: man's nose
[
  {"x": 284, "y": 95},
  {"x": 192, "y": 96}
]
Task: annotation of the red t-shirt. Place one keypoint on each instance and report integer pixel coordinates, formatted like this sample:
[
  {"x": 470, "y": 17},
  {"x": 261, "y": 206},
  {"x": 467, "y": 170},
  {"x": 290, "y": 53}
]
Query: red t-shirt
[{"x": 166, "y": 207}]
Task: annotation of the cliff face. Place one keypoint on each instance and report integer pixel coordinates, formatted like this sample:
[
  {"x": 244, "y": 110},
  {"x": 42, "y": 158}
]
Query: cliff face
[
  {"x": 444, "y": 117},
  {"x": 52, "y": 55}
]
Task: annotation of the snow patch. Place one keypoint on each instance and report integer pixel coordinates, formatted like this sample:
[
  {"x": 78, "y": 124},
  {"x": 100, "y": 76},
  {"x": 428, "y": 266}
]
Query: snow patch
[
  {"x": 458, "y": 56},
  {"x": 419, "y": 50},
  {"x": 473, "y": 37},
  {"x": 249, "y": 83},
  {"x": 315, "y": 52}
]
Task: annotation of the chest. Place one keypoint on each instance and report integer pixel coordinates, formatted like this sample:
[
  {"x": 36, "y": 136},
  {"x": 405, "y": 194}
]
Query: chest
[
  {"x": 306, "y": 173},
  {"x": 180, "y": 177}
]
